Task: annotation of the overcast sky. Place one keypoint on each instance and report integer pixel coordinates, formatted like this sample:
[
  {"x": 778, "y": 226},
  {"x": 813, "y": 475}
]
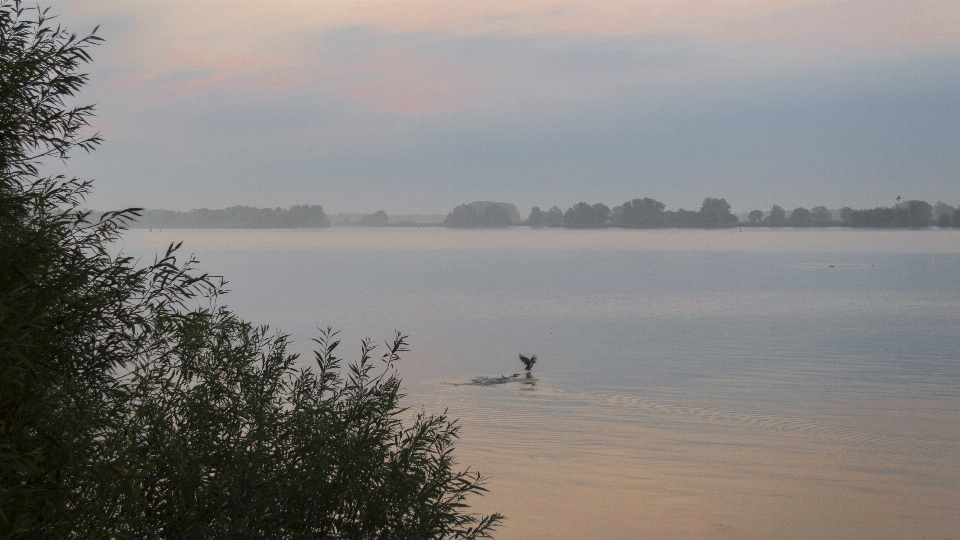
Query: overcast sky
[{"x": 420, "y": 105}]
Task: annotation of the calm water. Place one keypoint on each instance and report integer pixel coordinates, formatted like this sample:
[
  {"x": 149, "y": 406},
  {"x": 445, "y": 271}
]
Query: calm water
[{"x": 691, "y": 384}]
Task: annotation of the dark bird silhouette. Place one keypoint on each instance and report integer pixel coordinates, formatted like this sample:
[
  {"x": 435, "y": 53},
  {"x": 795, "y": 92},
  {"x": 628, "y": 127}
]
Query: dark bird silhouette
[
  {"x": 528, "y": 362},
  {"x": 898, "y": 198}
]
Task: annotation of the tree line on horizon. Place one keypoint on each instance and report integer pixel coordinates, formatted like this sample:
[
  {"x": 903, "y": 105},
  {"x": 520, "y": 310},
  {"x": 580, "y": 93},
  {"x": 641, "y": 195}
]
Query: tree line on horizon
[
  {"x": 907, "y": 214},
  {"x": 236, "y": 217},
  {"x": 647, "y": 213}
]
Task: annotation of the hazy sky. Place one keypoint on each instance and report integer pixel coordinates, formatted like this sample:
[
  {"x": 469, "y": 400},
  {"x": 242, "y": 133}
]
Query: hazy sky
[{"x": 420, "y": 105}]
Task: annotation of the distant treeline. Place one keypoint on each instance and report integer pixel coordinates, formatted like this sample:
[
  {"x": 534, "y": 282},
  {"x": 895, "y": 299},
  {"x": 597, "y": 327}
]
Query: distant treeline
[
  {"x": 643, "y": 213},
  {"x": 649, "y": 213},
  {"x": 236, "y": 217},
  {"x": 638, "y": 213},
  {"x": 483, "y": 214},
  {"x": 908, "y": 214}
]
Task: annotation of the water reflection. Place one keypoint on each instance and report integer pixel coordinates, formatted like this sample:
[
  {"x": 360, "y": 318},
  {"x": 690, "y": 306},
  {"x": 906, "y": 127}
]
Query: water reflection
[
  {"x": 700, "y": 384},
  {"x": 753, "y": 239}
]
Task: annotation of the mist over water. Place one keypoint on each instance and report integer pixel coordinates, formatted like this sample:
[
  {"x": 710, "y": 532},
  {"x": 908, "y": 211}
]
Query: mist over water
[{"x": 705, "y": 384}]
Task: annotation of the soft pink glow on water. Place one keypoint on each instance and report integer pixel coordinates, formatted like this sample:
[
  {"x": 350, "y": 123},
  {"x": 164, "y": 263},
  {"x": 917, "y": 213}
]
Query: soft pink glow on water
[
  {"x": 750, "y": 239},
  {"x": 794, "y": 384}
]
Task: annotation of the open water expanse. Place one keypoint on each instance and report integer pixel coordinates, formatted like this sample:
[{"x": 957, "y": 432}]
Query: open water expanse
[{"x": 764, "y": 384}]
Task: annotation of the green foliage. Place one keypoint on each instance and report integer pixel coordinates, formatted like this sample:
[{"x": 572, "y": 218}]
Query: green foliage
[{"x": 133, "y": 406}]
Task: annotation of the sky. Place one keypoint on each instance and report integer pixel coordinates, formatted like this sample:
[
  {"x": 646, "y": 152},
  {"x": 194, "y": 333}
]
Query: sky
[{"x": 416, "y": 106}]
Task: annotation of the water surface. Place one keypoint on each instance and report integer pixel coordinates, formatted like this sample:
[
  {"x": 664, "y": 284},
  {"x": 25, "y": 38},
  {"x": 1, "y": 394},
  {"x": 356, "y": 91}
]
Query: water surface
[{"x": 691, "y": 384}]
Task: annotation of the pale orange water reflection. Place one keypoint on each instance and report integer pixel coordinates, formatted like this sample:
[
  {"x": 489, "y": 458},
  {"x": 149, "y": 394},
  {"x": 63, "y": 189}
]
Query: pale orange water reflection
[
  {"x": 750, "y": 239},
  {"x": 788, "y": 384},
  {"x": 611, "y": 466}
]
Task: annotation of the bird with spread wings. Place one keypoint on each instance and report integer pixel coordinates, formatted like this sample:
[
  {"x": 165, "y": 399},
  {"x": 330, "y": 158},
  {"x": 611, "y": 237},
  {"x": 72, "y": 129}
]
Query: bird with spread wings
[{"x": 528, "y": 362}]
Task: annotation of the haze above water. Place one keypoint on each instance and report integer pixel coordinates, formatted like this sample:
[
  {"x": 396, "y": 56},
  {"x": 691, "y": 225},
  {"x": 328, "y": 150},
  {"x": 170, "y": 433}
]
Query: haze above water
[{"x": 691, "y": 384}]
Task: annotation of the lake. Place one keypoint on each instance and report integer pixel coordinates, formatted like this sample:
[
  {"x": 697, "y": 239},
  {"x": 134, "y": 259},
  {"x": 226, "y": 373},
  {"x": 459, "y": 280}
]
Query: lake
[{"x": 794, "y": 384}]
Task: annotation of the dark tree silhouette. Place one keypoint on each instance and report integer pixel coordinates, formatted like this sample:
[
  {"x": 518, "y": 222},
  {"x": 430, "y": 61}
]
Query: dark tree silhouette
[
  {"x": 550, "y": 218},
  {"x": 376, "y": 219},
  {"x": 820, "y": 216},
  {"x": 777, "y": 217},
  {"x": 643, "y": 213},
  {"x": 755, "y": 216},
  {"x": 481, "y": 214},
  {"x": 800, "y": 217},
  {"x": 846, "y": 215},
  {"x": 715, "y": 213},
  {"x": 133, "y": 405},
  {"x": 583, "y": 215}
]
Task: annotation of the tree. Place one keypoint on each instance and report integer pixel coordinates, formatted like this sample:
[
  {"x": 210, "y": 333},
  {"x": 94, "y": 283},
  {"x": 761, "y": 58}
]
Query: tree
[
  {"x": 800, "y": 217},
  {"x": 495, "y": 215},
  {"x": 376, "y": 219},
  {"x": 131, "y": 406},
  {"x": 846, "y": 215},
  {"x": 555, "y": 217},
  {"x": 482, "y": 214},
  {"x": 582, "y": 215},
  {"x": 919, "y": 213},
  {"x": 942, "y": 208},
  {"x": 755, "y": 216},
  {"x": 550, "y": 218},
  {"x": 643, "y": 213},
  {"x": 462, "y": 216},
  {"x": 777, "y": 216},
  {"x": 716, "y": 213},
  {"x": 820, "y": 216},
  {"x": 537, "y": 217},
  {"x": 943, "y": 220},
  {"x": 513, "y": 215}
]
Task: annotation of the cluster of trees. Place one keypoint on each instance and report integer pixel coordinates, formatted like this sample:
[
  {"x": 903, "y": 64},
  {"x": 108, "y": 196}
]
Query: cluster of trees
[
  {"x": 799, "y": 217},
  {"x": 236, "y": 217},
  {"x": 134, "y": 405},
  {"x": 483, "y": 214},
  {"x": 643, "y": 213},
  {"x": 909, "y": 214},
  {"x": 376, "y": 219}
]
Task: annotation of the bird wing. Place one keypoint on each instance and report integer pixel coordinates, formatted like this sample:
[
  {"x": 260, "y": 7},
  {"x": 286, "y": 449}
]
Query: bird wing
[{"x": 524, "y": 359}]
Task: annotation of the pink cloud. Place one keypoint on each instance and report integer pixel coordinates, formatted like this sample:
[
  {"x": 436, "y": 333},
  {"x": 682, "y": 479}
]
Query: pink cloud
[{"x": 269, "y": 50}]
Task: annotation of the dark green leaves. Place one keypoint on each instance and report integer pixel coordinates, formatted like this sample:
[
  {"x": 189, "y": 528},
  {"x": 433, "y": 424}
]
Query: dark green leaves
[{"x": 132, "y": 406}]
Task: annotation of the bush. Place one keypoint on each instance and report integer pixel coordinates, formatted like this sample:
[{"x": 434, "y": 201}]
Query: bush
[{"x": 133, "y": 406}]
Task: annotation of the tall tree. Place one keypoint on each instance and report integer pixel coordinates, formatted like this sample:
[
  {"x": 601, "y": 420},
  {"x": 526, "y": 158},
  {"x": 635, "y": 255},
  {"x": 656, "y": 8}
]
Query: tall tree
[
  {"x": 583, "y": 215},
  {"x": 716, "y": 213},
  {"x": 643, "y": 213},
  {"x": 777, "y": 216},
  {"x": 800, "y": 217},
  {"x": 127, "y": 411},
  {"x": 819, "y": 215}
]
